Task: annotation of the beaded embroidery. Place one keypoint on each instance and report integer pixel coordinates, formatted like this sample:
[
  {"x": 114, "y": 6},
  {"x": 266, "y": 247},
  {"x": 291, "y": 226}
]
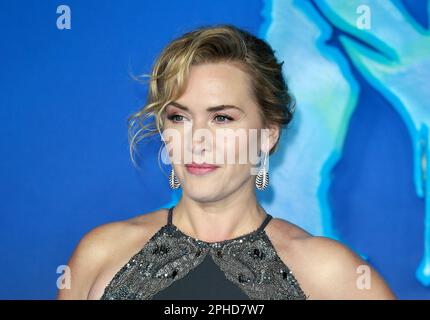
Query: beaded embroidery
[{"x": 249, "y": 261}]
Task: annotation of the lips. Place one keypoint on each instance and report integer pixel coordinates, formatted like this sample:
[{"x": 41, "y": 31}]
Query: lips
[
  {"x": 201, "y": 165},
  {"x": 201, "y": 168}
]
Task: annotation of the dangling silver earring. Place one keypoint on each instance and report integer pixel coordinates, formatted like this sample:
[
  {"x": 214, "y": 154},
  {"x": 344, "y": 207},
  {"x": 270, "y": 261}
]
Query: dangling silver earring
[
  {"x": 173, "y": 180},
  {"x": 262, "y": 180}
]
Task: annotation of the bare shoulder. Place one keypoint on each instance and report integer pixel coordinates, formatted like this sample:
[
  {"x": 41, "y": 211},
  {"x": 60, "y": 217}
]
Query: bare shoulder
[
  {"x": 326, "y": 268},
  {"x": 100, "y": 250}
]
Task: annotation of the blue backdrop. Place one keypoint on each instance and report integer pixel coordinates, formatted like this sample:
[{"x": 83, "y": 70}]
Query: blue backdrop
[{"x": 359, "y": 133}]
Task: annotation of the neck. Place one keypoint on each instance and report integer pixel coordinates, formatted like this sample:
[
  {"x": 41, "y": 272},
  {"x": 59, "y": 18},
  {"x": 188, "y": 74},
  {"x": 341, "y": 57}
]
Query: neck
[{"x": 218, "y": 220}]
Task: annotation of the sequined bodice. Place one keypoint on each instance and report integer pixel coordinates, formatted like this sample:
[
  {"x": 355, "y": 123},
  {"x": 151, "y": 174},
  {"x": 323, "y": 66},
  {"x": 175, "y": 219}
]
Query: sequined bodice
[{"x": 170, "y": 258}]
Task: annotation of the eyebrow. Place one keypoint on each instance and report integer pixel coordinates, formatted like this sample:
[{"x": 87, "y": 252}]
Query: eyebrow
[{"x": 210, "y": 109}]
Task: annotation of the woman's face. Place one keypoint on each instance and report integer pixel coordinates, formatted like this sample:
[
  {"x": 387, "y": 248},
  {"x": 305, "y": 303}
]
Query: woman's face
[{"x": 228, "y": 135}]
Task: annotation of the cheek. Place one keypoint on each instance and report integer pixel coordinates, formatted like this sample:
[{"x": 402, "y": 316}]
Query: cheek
[
  {"x": 253, "y": 146},
  {"x": 173, "y": 141},
  {"x": 237, "y": 147}
]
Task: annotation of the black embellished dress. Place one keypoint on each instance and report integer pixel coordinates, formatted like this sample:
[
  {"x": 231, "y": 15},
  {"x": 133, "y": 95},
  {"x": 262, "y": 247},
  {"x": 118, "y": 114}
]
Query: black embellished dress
[{"x": 173, "y": 265}]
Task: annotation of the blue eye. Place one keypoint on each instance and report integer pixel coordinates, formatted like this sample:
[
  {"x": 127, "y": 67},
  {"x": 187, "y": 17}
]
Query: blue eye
[
  {"x": 219, "y": 118},
  {"x": 225, "y": 117},
  {"x": 173, "y": 117}
]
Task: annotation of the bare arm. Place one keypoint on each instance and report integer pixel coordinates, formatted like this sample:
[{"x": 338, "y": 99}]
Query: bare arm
[
  {"x": 336, "y": 272},
  {"x": 85, "y": 263}
]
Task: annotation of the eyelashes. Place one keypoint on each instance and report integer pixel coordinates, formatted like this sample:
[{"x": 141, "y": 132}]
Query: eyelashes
[{"x": 174, "y": 118}]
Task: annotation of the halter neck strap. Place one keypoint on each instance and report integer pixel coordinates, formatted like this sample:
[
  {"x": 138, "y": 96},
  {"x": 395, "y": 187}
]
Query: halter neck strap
[{"x": 261, "y": 227}]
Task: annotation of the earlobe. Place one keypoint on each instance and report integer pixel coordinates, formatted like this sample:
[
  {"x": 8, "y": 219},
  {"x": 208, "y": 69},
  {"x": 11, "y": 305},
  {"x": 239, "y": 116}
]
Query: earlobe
[
  {"x": 273, "y": 136},
  {"x": 269, "y": 137}
]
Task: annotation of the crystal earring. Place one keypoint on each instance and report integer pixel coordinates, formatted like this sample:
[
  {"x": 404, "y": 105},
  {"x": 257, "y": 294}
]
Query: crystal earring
[
  {"x": 262, "y": 180},
  {"x": 173, "y": 180}
]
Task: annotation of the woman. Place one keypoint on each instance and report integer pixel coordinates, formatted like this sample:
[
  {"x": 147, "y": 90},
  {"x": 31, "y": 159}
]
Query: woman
[{"x": 217, "y": 242}]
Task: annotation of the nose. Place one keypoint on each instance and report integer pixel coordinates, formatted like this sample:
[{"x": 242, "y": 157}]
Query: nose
[{"x": 201, "y": 138}]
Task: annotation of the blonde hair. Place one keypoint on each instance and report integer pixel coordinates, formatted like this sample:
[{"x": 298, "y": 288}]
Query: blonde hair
[{"x": 212, "y": 44}]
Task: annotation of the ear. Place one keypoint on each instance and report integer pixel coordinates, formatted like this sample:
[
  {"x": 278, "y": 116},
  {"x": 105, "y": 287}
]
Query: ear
[{"x": 273, "y": 133}]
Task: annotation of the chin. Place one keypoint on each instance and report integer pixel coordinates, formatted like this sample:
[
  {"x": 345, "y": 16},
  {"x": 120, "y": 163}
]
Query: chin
[{"x": 203, "y": 195}]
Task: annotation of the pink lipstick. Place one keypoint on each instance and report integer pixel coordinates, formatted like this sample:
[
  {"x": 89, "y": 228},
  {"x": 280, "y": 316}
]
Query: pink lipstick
[{"x": 200, "y": 169}]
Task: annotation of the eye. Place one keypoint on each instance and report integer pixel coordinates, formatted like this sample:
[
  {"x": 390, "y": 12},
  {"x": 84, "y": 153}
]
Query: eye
[
  {"x": 223, "y": 118},
  {"x": 174, "y": 117}
]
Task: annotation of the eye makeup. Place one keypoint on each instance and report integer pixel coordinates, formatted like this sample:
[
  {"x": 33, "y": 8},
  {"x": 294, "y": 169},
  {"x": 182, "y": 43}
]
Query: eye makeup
[{"x": 173, "y": 117}]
